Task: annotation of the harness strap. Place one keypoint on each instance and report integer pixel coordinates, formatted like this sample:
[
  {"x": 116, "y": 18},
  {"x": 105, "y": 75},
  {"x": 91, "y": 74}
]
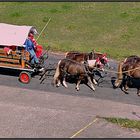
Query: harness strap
[{"x": 86, "y": 66}]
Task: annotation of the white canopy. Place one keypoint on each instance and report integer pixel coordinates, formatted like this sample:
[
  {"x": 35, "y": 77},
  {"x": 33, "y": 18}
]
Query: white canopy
[{"x": 13, "y": 34}]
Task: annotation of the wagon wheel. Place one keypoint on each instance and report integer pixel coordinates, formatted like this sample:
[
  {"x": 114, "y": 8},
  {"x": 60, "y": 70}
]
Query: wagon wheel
[{"x": 25, "y": 77}]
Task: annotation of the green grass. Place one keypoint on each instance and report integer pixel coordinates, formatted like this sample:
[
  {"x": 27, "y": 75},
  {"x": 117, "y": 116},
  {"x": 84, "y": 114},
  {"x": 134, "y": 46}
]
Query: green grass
[
  {"x": 135, "y": 124},
  {"x": 111, "y": 27}
]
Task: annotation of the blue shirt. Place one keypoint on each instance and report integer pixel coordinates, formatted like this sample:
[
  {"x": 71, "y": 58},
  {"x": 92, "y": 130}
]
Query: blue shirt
[{"x": 29, "y": 45}]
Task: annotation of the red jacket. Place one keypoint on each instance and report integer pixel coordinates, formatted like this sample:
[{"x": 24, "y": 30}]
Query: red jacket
[
  {"x": 38, "y": 48},
  {"x": 31, "y": 37}
]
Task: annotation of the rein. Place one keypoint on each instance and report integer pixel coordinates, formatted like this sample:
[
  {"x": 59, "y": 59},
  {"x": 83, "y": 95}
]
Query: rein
[{"x": 123, "y": 71}]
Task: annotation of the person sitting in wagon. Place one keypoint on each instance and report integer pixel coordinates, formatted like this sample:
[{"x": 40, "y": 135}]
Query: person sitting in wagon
[
  {"x": 9, "y": 49},
  {"x": 37, "y": 48},
  {"x": 30, "y": 45}
]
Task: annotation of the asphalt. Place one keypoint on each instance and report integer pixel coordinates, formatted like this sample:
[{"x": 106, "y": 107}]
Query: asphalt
[{"x": 30, "y": 114}]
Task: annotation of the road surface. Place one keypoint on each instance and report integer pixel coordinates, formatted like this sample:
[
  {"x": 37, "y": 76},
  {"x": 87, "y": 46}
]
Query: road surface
[{"x": 103, "y": 91}]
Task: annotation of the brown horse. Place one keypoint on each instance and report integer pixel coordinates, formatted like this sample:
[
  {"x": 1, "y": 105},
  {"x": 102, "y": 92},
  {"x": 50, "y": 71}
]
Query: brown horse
[
  {"x": 68, "y": 67},
  {"x": 129, "y": 74},
  {"x": 79, "y": 56}
]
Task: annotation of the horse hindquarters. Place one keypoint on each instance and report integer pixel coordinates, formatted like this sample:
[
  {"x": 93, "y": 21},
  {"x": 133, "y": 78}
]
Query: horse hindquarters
[{"x": 60, "y": 74}]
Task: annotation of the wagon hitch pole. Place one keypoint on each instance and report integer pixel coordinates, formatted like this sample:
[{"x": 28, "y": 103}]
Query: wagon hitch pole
[{"x": 44, "y": 74}]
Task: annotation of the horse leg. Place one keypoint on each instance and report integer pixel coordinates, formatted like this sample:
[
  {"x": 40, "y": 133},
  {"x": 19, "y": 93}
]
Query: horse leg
[
  {"x": 58, "y": 82},
  {"x": 92, "y": 78},
  {"x": 64, "y": 83},
  {"x": 92, "y": 86},
  {"x": 94, "y": 81},
  {"x": 64, "y": 80},
  {"x": 124, "y": 86},
  {"x": 77, "y": 85},
  {"x": 138, "y": 91},
  {"x": 127, "y": 80},
  {"x": 124, "y": 90}
]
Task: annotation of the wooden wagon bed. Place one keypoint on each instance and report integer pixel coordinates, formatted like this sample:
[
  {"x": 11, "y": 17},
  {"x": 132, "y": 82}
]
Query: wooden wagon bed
[{"x": 14, "y": 59}]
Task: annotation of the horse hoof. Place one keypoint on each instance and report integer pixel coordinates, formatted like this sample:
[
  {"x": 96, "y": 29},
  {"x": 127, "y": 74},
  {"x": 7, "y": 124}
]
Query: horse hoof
[
  {"x": 126, "y": 93},
  {"x": 95, "y": 82},
  {"x": 93, "y": 89},
  {"x": 123, "y": 89},
  {"x": 138, "y": 94},
  {"x": 65, "y": 86},
  {"x": 58, "y": 84},
  {"x": 77, "y": 89}
]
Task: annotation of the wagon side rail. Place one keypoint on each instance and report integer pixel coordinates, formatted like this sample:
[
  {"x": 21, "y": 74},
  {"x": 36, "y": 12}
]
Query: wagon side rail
[{"x": 14, "y": 60}]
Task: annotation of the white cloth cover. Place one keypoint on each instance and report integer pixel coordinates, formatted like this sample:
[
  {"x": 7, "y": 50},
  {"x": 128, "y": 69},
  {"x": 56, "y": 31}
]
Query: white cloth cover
[{"x": 13, "y": 34}]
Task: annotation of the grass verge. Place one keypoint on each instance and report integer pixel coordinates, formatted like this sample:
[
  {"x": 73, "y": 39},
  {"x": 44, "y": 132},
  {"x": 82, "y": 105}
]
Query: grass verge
[
  {"x": 123, "y": 122},
  {"x": 111, "y": 28}
]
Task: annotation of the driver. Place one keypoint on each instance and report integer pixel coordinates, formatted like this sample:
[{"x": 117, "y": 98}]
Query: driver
[{"x": 30, "y": 45}]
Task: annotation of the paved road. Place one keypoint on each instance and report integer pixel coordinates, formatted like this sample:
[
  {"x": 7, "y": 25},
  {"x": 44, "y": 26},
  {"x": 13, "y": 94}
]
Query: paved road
[
  {"x": 37, "y": 114},
  {"x": 40, "y": 111},
  {"x": 103, "y": 91}
]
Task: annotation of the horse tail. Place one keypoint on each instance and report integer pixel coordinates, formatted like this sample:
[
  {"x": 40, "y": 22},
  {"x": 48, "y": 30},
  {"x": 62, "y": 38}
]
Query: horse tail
[
  {"x": 57, "y": 73},
  {"x": 125, "y": 60},
  {"x": 66, "y": 54},
  {"x": 120, "y": 75}
]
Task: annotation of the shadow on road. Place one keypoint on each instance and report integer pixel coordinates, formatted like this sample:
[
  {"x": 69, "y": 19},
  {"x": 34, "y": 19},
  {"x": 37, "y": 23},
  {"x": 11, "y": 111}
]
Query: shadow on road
[{"x": 9, "y": 72}]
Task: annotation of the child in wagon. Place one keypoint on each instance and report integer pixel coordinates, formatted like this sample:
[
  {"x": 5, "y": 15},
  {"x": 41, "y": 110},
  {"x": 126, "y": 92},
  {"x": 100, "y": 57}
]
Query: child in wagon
[{"x": 8, "y": 49}]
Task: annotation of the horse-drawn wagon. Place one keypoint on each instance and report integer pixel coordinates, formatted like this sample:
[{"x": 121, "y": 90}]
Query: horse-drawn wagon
[{"x": 13, "y": 54}]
